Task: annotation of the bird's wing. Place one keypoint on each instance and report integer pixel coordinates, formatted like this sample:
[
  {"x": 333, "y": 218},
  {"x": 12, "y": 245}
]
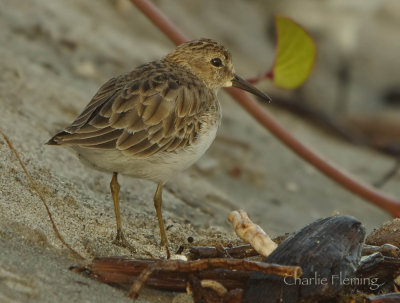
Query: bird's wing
[{"x": 141, "y": 114}]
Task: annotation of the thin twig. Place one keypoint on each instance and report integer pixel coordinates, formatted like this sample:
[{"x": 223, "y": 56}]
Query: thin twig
[
  {"x": 365, "y": 191},
  {"x": 139, "y": 282},
  {"x": 389, "y": 175},
  {"x": 238, "y": 252},
  {"x": 34, "y": 186}
]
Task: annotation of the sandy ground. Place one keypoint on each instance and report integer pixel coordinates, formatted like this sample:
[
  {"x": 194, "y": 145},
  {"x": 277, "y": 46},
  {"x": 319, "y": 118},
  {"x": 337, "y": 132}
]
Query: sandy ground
[{"x": 53, "y": 57}]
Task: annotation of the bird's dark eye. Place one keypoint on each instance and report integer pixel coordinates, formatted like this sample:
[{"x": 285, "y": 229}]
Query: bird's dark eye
[{"x": 216, "y": 62}]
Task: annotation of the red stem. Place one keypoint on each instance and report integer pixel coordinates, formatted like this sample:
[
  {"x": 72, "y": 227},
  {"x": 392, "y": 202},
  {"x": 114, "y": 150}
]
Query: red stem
[{"x": 365, "y": 191}]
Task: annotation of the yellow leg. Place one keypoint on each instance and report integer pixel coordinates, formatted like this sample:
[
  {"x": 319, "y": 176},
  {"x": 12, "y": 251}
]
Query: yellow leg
[
  {"x": 119, "y": 239},
  {"x": 157, "y": 205}
]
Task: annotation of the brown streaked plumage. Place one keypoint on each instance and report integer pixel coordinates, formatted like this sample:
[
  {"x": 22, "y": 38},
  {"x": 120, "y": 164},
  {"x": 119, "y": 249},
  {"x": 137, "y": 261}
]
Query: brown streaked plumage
[{"x": 155, "y": 120}]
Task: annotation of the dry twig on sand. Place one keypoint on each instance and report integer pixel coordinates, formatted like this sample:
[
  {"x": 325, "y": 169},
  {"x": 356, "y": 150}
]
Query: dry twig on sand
[{"x": 36, "y": 189}]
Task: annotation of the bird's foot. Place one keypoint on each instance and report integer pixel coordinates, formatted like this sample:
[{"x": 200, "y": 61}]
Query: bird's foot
[{"x": 122, "y": 242}]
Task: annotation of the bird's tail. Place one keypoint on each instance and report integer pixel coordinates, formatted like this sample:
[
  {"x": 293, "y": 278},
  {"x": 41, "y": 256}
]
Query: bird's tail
[{"x": 54, "y": 139}]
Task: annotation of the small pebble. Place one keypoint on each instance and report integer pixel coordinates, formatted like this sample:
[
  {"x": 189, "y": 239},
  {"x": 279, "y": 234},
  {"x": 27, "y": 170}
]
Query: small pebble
[{"x": 292, "y": 187}]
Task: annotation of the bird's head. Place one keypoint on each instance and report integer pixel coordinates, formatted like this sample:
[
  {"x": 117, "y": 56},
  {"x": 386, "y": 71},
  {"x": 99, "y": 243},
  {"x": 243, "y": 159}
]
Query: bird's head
[{"x": 212, "y": 63}]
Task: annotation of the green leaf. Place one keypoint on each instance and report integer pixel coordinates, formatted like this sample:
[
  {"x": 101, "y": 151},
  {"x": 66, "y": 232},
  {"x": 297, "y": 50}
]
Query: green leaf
[{"x": 295, "y": 55}]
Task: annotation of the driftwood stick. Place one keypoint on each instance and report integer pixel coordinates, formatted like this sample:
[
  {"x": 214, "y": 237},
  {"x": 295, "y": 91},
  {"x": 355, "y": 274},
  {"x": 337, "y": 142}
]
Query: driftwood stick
[
  {"x": 199, "y": 265},
  {"x": 173, "y": 274},
  {"x": 238, "y": 252},
  {"x": 386, "y": 298}
]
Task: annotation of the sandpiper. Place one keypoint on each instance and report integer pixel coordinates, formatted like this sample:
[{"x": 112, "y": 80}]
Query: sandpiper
[{"x": 156, "y": 120}]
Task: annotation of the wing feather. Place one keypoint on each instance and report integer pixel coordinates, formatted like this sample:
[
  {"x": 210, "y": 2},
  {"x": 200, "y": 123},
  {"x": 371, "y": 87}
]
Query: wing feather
[
  {"x": 127, "y": 140},
  {"x": 143, "y": 112},
  {"x": 99, "y": 137}
]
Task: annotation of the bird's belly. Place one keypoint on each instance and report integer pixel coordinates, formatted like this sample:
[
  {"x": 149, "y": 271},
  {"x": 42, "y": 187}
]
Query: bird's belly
[{"x": 159, "y": 167}]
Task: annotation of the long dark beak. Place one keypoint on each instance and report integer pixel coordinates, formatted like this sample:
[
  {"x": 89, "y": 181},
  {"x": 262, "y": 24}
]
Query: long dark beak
[{"x": 243, "y": 84}]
